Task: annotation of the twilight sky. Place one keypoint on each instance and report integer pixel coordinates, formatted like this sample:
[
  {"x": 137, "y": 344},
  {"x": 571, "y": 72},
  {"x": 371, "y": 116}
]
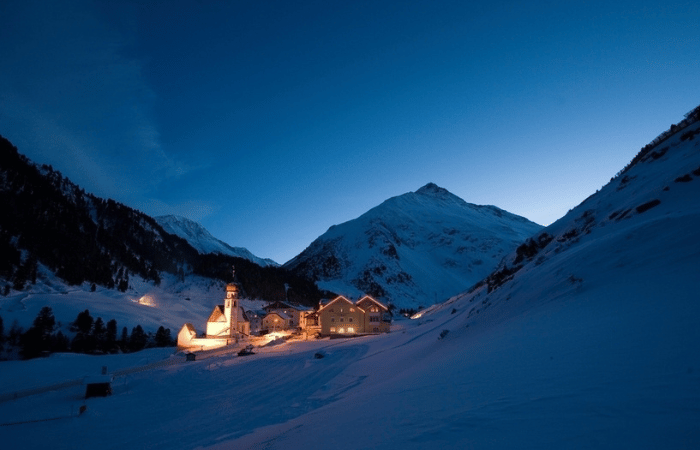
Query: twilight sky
[{"x": 269, "y": 121}]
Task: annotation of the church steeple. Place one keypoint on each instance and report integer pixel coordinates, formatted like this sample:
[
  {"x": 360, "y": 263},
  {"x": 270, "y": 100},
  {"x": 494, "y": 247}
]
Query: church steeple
[{"x": 231, "y": 305}]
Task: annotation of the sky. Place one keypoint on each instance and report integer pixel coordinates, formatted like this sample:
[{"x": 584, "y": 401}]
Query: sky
[{"x": 269, "y": 121}]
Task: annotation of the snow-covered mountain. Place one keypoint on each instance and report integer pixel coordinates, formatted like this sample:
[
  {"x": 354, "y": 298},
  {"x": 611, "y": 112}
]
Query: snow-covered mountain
[
  {"x": 199, "y": 238},
  {"x": 414, "y": 249},
  {"x": 585, "y": 337}
]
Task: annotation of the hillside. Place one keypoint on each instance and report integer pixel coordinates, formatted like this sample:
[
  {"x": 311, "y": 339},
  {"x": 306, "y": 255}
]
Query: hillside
[
  {"x": 66, "y": 248},
  {"x": 414, "y": 249}
]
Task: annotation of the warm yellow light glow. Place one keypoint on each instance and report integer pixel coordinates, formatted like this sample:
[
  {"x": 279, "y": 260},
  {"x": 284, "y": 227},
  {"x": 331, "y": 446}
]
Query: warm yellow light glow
[{"x": 147, "y": 300}]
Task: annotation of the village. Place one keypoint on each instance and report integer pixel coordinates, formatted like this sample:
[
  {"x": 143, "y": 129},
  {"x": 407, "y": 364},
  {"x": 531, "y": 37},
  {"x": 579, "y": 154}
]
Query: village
[{"x": 229, "y": 323}]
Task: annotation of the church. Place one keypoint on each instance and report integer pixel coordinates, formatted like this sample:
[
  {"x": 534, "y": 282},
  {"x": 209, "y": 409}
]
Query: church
[
  {"x": 228, "y": 320},
  {"x": 227, "y": 324}
]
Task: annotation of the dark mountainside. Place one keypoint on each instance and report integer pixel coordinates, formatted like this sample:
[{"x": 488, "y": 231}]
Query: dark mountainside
[{"x": 82, "y": 238}]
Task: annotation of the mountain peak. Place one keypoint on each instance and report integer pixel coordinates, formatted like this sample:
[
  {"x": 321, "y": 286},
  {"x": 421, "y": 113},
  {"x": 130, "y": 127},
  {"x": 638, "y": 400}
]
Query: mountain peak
[
  {"x": 412, "y": 249},
  {"x": 432, "y": 189},
  {"x": 203, "y": 241}
]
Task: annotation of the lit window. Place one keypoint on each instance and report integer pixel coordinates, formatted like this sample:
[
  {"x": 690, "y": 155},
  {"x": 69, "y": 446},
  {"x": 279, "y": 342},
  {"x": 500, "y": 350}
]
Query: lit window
[
  {"x": 332, "y": 329},
  {"x": 351, "y": 329},
  {"x": 341, "y": 330},
  {"x": 352, "y": 309}
]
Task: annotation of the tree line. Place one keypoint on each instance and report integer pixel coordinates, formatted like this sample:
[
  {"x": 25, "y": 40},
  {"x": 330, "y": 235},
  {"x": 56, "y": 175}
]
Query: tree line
[{"x": 92, "y": 336}]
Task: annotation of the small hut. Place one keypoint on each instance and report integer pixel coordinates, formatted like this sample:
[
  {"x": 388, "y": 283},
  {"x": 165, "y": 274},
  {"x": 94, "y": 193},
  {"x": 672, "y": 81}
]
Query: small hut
[{"x": 98, "y": 386}]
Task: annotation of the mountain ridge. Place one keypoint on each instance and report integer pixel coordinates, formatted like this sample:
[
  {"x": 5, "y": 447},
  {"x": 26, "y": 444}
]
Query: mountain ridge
[
  {"x": 398, "y": 249},
  {"x": 204, "y": 242}
]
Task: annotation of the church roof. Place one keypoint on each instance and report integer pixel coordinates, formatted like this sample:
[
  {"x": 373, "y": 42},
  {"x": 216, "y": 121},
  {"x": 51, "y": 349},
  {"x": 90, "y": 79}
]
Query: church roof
[
  {"x": 242, "y": 315},
  {"x": 217, "y": 315},
  {"x": 190, "y": 328}
]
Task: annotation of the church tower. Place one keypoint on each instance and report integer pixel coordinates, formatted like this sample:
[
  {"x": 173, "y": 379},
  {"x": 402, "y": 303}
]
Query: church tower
[{"x": 231, "y": 307}]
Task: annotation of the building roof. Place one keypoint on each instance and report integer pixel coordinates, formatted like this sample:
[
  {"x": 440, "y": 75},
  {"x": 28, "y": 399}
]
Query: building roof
[
  {"x": 367, "y": 297},
  {"x": 217, "y": 314},
  {"x": 190, "y": 328},
  {"x": 278, "y": 304},
  {"x": 339, "y": 298},
  {"x": 280, "y": 314},
  {"x": 243, "y": 315},
  {"x": 98, "y": 379},
  {"x": 255, "y": 313}
]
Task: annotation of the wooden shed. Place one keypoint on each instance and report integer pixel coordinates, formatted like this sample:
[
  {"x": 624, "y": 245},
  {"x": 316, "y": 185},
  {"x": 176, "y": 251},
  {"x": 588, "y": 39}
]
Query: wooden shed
[{"x": 98, "y": 386}]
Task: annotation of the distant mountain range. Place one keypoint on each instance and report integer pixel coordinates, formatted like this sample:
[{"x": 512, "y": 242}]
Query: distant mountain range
[
  {"x": 199, "y": 238},
  {"x": 413, "y": 250}
]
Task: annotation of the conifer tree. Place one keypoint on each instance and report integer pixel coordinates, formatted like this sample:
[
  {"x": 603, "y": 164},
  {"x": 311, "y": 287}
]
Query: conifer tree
[
  {"x": 83, "y": 342},
  {"x": 83, "y": 323},
  {"x": 59, "y": 342},
  {"x": 15, "y": 334},
  {"x": 38, "y": 338},
  {"x": 138, "y": 339},
  {"x": 163, "y": 337},
  {"x": 124, "y": 341},
  {"x": 99, "y": 334},
  {"x": 111, "y": 336}
]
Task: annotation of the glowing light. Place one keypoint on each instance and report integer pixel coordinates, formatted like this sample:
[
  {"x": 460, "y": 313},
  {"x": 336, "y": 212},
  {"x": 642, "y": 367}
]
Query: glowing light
[{"x": 148, "y": 300}]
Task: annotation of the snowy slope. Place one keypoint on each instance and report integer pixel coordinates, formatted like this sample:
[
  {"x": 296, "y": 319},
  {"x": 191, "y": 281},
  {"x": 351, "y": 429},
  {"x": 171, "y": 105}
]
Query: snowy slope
[
  {"x": 171, "y": 304},
  {"x": 586, "y": 340},
  {"x": 199, "y": 238},
  {"x": 414, "y": 249}
]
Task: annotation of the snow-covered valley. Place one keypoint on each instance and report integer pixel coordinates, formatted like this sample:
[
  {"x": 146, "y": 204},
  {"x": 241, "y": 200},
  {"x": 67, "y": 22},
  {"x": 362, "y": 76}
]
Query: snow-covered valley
[{"x": 585, "y": 337}]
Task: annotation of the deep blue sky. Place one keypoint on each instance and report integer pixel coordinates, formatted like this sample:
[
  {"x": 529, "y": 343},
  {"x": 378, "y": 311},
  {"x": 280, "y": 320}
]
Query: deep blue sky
[{"x": 269, "y": 121}]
